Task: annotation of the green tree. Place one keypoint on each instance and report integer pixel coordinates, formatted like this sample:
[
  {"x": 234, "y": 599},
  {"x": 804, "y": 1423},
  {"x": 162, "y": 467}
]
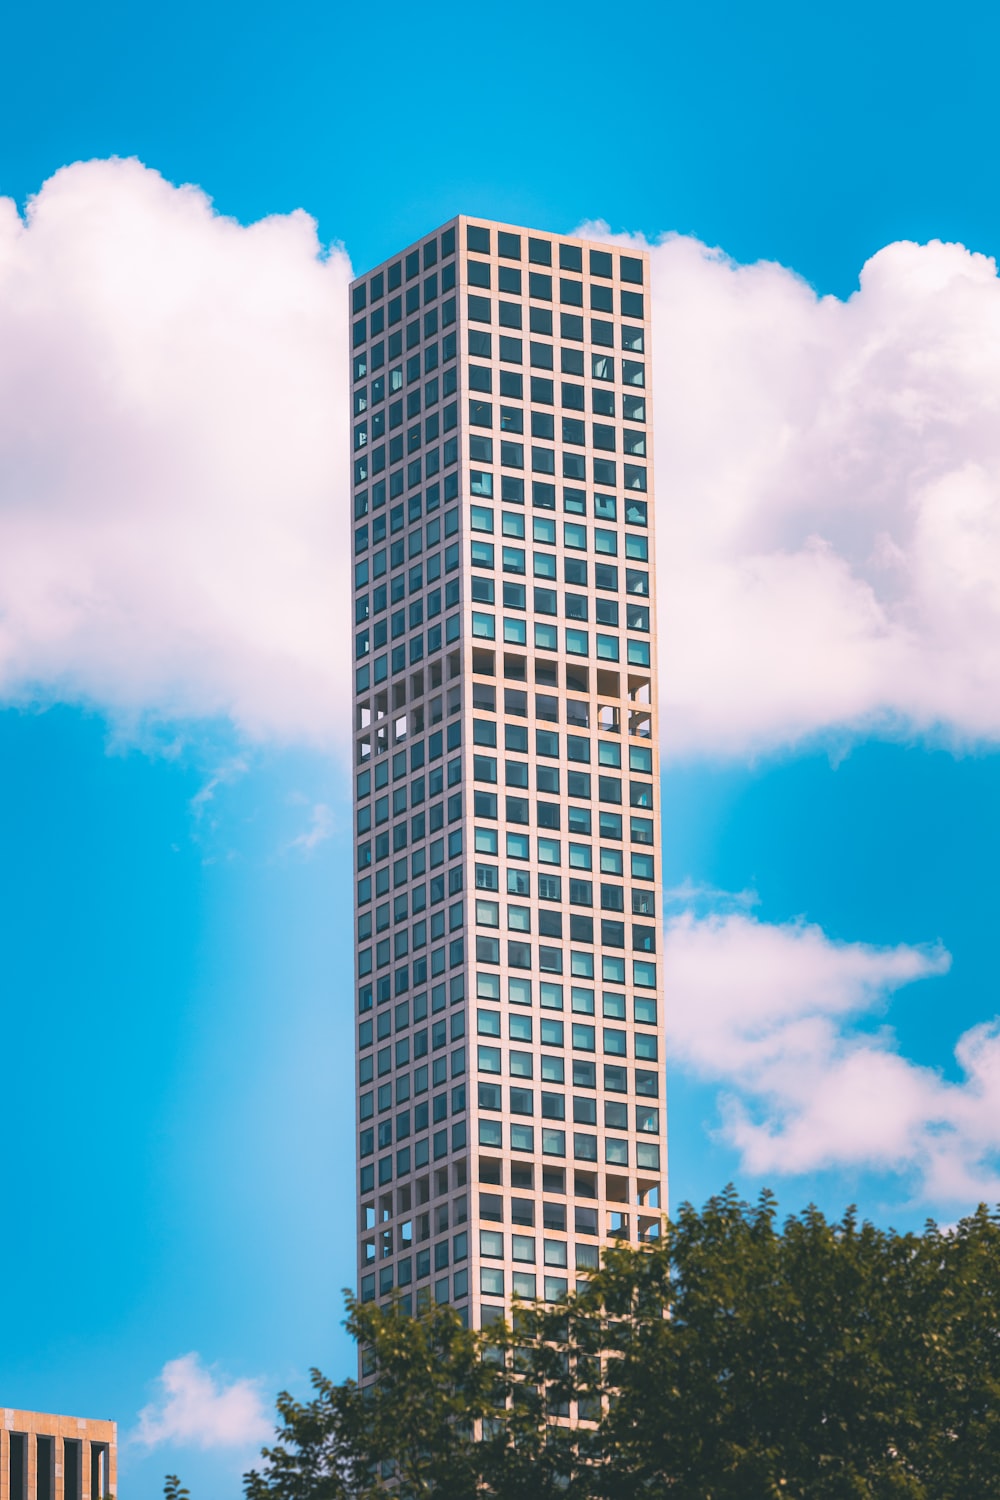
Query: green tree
[
  {"x": 737, "y": 1359},
  {"x": 173, "y": 1489}
]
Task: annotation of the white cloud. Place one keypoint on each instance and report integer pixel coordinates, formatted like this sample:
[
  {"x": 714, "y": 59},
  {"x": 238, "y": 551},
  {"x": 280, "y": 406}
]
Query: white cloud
[
  {"x": 225, "y": 775},
  {"x": 173, "y": 538},
  {"x": 321, "y": 828},
  {"x": 828, "y": 478},
  {"x": 779, "y": 1017},
  {"x": 174, "y": 464},
  {"x": 199, "y": 1409}
]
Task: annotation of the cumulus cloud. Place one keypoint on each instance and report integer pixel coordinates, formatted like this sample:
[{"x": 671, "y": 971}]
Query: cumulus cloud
[
  {"x": 172, "y": 457},
  {"x": 828, "y": 480},
  {"x": 199, "y": 1409},
  {"x": 780, "y": 1017},
  {"x": 173, "y": 477}
]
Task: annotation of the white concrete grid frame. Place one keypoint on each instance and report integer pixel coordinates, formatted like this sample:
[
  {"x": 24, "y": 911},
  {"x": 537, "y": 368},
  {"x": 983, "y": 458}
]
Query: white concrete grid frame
[{"x": 511, "y": 1109}]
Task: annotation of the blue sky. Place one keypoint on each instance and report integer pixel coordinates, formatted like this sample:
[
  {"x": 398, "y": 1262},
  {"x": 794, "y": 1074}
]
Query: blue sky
[{"x": 174, "y": 877}]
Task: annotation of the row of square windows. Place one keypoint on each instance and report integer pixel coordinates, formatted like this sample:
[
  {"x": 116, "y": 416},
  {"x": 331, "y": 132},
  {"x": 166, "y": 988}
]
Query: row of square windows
[
  {"x": 600, "y": 263},
  {"x": 509, "y": 385},
  {"x": 455, "y": 1288},
  {"x": 520, "y": 1021},
  {"x": 541, "y": 356},
  {"x": 553, "y": 1215},
  {"x": 582, "y": 966},
  {"x": 482, "y": 590},
  {"x": 572, "y": 432},
  {"x": 575, "y": 537},
  {"x": 603, "y": 437},
  {"x": 491, "y": 1244},
  {"x": 510, "y": 350},
  {"x": 402, "y": 1239},
  {"x": 548, "y": 816},
  {"x": 549, "y": 888},
  {"x": 551, "y": 1067},
  {"x": 573, "y": 327},
  {"x": 520, "y": 1138},
  {"x": 548, "y": 923},
  {"x": 521, "y": 1029},
  {"x": 394, "y": 665},
  {"x": 545, "y": 708},
  {"x": 544, "y": 565},
  {"x": 521, "y": 1102},
  {"x": 576, "y": 642},
  {"x": 508, "y": 282},
  {"x": 549, "y": 744},
  {"x": 576, "y": 891},
  {"x": 633, "y": 511},
  {"x": 522, "y": 1177},
  {"x": 479, "y": 241},
  {"x": 550, "y": 1070},
  {"x": 603, "y": 403},
  {"x": 517, "y": 846},
  {"x": 578, "y": 467},
  {"x": 519, "y": 954}
]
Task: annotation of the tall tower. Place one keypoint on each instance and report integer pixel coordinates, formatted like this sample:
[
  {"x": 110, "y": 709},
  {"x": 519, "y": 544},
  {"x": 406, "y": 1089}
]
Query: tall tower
[{"x": 510, "y": 1078}]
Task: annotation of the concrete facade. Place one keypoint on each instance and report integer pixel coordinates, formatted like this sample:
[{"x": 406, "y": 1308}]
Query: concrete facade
[
  {"x": 45, "y": 1457},
  {"x": 511, "y": 1095}
]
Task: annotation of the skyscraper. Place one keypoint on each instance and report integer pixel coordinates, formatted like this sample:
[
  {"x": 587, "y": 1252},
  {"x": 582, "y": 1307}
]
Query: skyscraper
[{"x": 511, "y": 1112}]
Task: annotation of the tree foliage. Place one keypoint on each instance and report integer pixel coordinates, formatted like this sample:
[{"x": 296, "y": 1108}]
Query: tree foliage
[{"x": 738, "y": 1359}]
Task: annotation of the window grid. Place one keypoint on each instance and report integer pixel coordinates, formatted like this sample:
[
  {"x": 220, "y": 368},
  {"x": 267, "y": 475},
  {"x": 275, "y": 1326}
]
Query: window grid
[{"x": 456, "y": 778}]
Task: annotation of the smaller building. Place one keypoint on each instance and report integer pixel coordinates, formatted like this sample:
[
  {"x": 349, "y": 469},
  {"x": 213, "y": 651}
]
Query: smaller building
[{"x": 44, "y": 1457}]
